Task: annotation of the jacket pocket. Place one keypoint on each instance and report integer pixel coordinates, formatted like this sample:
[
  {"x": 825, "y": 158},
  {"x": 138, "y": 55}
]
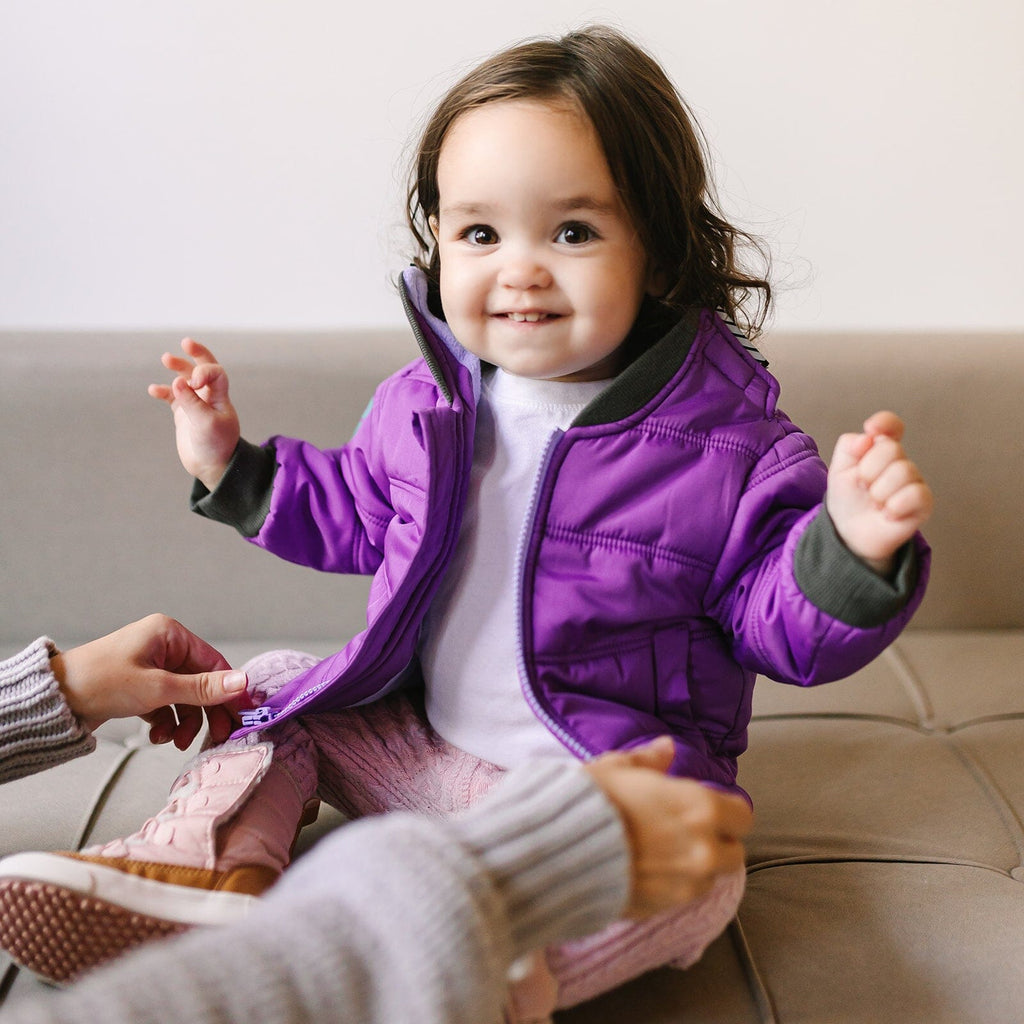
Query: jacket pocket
[{"x": 671, "y": 647}]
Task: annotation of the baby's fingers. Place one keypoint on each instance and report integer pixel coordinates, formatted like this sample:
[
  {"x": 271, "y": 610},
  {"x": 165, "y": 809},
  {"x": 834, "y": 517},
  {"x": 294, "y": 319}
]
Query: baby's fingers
[
  {"x": 213, "y": 378},
  {"x": 849, "y": 450},
  {"x": 886, "y": 424},
  {"x": 176, "y": 363},
  {"x": 200, "y": 353},
  {"x": 893, "y": 477},
  {"x": 161, "y": 392},
  {"x": 914, "y": 503},
  {"x": 876, "y": 461}
]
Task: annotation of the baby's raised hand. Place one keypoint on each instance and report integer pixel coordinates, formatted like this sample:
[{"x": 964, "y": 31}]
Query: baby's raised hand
[
  {"x": 205, "y": 422},
  {"x": 876, "y": 496}
]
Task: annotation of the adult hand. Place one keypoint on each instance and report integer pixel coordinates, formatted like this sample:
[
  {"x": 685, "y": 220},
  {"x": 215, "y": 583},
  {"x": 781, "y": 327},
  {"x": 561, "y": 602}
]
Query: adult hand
[
  {"x": 682, "y": 834},
  {"x": 157, "y": 669}
]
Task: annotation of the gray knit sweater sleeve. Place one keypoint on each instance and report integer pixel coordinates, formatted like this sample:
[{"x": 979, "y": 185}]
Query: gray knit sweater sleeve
[
  {"x": 389, "y": 920},
  {"x": 37, "y": 728}
]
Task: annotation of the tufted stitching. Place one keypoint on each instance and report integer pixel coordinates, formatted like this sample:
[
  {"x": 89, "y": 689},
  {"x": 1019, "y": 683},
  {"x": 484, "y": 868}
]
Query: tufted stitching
[
  {"x": 1003, "y": 807},
  {"x": 129, "y": 748},
  {"x": 755, "y": 982},
  {"x": 913, "y": 685}
]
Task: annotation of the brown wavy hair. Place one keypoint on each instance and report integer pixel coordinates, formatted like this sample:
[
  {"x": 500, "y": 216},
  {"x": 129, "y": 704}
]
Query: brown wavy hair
[{"x": 655, "y": 151}]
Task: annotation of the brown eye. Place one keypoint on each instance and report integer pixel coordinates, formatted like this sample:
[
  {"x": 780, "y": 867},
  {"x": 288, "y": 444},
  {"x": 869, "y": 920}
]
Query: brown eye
[
  {"x": 481, "y": 235},
  {"x": 575, "y": 234}
]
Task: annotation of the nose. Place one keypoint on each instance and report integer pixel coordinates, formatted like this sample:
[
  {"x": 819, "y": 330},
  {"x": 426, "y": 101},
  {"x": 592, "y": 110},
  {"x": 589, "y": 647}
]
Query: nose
[{"x": 523, "y": 269}]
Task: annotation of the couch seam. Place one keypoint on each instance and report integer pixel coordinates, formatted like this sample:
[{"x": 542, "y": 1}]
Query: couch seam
[
  {"x": 912, "y": 684},
  {"x": 1003, "y": 808},
  {"x": 1009, "y": 716},
  {"x": 103, "y": 795},
  {"x": 755, "y": 981},
  {"x": 803, "y": 861},
  {"x": 844, "y": 716}
]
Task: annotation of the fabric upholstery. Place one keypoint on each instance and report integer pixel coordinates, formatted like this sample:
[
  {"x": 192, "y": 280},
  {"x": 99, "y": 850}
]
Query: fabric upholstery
[{"x": 886, "y": 869}]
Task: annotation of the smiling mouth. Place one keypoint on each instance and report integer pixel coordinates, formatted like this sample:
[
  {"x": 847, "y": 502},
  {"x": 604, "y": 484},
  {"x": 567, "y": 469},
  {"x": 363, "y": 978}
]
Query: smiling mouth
[{"x": 528, "y": 318}]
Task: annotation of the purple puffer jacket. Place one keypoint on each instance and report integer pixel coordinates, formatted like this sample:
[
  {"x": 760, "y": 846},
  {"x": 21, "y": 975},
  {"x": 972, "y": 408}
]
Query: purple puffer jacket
[{"x": 676, "y": 546}]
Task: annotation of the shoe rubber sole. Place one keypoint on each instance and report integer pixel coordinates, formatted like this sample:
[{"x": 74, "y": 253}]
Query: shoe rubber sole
[{"x": 60, "y": 917}]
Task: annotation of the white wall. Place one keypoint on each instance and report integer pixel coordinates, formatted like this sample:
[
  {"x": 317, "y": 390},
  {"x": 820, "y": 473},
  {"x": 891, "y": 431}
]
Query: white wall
[{"x": 237, "y": 163}]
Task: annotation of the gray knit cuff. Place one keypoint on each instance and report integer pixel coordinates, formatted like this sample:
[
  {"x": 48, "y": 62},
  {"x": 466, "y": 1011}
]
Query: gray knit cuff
[
  {"x": 555, "y": 848},
  {"x": 37, "y": 728},
  {"x": 843, "y": 586},
  {"x": 242, "y": 498}
]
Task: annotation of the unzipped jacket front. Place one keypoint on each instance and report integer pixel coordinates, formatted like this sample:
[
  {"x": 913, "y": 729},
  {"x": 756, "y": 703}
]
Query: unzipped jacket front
[{"x": 676, "y": 546}]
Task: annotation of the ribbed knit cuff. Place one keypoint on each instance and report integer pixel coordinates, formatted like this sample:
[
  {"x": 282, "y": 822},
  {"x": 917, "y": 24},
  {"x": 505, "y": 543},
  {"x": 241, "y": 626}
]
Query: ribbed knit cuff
[
  {"x": 839, "y": 583},
  {"x": 556, "y": 850},
  {"x": 37, "y": 728},
  {"x": 242, "y": 498}
]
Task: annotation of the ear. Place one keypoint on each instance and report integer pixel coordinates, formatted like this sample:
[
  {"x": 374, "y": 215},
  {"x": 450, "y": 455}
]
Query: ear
[
  {"x": 434, "y": 225},
  {"x": 657, "y": 283}
]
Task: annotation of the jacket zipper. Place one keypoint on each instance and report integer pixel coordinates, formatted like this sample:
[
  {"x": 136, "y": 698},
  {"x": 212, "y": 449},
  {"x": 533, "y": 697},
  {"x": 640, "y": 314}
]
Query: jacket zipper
[
  {"x": 266, "y": 715},
  {"x": 433, "y": 363},
  {"x": 520, "y": 571}
]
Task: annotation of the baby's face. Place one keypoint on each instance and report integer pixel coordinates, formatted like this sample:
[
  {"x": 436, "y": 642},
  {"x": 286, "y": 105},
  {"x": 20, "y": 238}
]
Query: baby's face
[{"x": 542, "y": 272}]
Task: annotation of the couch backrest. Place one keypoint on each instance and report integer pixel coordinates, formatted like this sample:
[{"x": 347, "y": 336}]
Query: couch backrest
[
  {"x": 962, "y": 397},
  {"x": 93, "y": 503}
]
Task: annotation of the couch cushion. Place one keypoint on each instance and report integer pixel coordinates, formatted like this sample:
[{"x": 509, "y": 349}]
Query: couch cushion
[
  {"x": 886, "y": 865},
  {"x": 885, "y": 870}
]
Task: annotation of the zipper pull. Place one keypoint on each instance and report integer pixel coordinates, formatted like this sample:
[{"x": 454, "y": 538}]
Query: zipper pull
[{"x": 258, "y": 716}]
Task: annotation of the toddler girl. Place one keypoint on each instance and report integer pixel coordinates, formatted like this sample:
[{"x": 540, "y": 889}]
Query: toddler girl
[{"x": 587, "y": 521}]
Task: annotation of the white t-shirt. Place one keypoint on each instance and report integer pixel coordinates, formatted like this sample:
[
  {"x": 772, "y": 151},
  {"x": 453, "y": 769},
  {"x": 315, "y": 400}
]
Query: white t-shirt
[{"x": 474, "y": 697}]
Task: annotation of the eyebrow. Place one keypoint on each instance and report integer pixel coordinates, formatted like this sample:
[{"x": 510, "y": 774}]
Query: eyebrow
[{"x": 585, "y": 204}]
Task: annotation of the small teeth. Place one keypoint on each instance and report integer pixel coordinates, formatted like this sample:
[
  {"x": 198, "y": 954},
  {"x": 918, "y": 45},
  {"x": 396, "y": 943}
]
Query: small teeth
[{"x": 528, "y": 318}]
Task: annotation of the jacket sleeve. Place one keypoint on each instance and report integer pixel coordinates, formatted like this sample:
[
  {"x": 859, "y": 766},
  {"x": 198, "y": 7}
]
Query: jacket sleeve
[
  {"x": 324, "y": 508},
  {"x": 799, "y": 606}
]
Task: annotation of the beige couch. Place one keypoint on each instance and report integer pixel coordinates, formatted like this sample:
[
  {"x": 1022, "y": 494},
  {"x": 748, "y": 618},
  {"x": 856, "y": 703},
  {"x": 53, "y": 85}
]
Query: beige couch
[{"x": 887, "y": 866}]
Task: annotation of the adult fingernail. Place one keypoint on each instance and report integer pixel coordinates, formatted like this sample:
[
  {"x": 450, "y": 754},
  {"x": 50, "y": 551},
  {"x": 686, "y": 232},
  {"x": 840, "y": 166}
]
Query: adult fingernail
[{"x": 234, "y": 682}]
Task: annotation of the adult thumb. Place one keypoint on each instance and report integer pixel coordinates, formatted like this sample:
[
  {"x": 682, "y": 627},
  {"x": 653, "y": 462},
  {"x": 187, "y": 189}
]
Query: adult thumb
[
  {"x": 656, "y": 754},
  {"x": 205, "y": 689}
]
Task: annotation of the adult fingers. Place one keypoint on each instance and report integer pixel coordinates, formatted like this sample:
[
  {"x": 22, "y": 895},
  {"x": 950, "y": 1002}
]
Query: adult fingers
[
  {"x": 656, "y": 754},
  {"x": 735, "y": 818},
  {"x": 162, "y": 723},
  {"x": 203, "y": 689},
  {"x": 190, "y": 721},
  {"x": 222, "y": 723},
  {"x": 183, "y": 651},
  {"x": 710, "y": 812}
]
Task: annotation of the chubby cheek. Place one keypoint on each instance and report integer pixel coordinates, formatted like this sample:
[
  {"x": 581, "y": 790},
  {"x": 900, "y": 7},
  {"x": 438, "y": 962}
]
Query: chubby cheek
[
  {"x": 614, "y": 306},
  {"x": 464, "y": 310},
  {"x": 463, "y": 292}
]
